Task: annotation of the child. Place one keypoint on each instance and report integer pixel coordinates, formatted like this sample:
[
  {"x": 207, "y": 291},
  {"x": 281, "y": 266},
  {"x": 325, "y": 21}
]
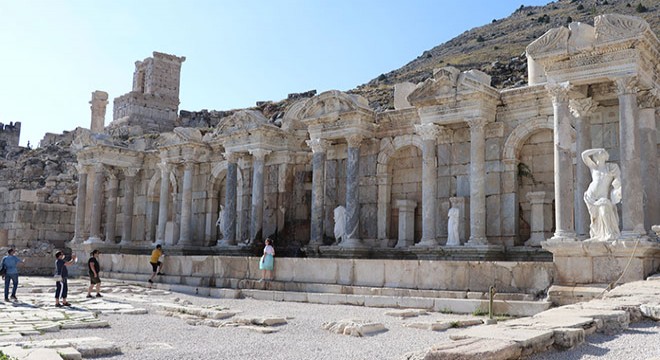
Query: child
[
  {"x": 266, "y": 263},
  {"x": 156, "y": 265},
  {"x": 94, "y": 268},
  {"x": 62, "y": 275}
]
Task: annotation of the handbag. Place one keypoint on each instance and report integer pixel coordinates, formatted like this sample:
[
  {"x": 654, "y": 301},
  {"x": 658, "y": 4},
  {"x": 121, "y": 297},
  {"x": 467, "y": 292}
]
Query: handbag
[{"x": 3, "y": 269}]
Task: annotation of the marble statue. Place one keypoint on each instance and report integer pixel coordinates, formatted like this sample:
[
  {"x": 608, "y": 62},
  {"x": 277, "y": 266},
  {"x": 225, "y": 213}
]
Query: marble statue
[
  {"x": 452, "y": 227},
  {"x": 340, "y": 224},
  {"x": 602, "y": 195},
  {"x": 221, "y": 222}
]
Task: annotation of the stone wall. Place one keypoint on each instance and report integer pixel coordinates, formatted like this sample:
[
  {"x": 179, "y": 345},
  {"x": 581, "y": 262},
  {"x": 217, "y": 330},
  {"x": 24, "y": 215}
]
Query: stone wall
[{"x": 10, "y": 134}]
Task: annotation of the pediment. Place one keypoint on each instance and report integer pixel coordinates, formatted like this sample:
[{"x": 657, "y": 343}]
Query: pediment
[
  {"x": 553, "y": 42},
  {"x": 333, "y": 102},
  {"x": 292, "y": 115},
  {"x": 442, "y": 84},
  {"x": 243, "y": 120},
  {"x": 616, "y": 27}
]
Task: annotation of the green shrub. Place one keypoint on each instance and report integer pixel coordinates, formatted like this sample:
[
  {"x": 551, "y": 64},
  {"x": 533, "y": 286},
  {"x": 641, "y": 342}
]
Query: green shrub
[
  {"x": 641, "y": 8},
  {"x": 580, "y": 7},
  {"x": 480, "y": 39}
]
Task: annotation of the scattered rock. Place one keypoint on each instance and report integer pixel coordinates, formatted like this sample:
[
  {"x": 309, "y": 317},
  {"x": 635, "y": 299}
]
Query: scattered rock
[{"x": 357, "y": 328}]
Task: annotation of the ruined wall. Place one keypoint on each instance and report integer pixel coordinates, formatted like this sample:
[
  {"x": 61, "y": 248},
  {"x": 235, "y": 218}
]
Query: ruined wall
[{"x": 10, "y": 134}]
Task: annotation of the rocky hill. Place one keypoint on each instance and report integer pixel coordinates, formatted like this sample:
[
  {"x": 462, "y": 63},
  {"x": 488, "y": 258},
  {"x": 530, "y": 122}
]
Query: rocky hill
[{"x": 498, "y": 48}]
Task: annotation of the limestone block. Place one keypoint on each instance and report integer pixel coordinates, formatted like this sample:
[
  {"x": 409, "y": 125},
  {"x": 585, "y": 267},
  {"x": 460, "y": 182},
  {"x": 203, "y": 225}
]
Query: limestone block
[
  {"x": 651, "y": 311},
  {"x": 493, "y": 149},
  {"x": 574, "y": 270},
  {"x": 416, "y": 302},
  {"x": 356, "y": 328},
  {"x": 493, "y": 218},
  {"x": 461, "y": 135},
  {"x": 461, "y": 153},
  {"x": 369, "y": 272},
  {"x": 401, "y": 92},
  {"x": 400, "y": 273},
  {"x": 470, "y": 349},
  {"x": 463, "y": 185},
  {"x": 526, "y": 338},
  {"x": 568, "y": 338}
]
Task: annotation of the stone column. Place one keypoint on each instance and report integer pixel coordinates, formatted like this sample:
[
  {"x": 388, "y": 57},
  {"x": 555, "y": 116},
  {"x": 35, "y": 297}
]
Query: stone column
[
  {"x": 648, "y": 102},
  {"x": 229, "y": 222},
  {"x": 97, "y": 205},
  {"x": 185, "y": 235},
  {"x": 429, "y": 134},
  {"x": 81, "y": 202},
  {"x": 477, "y": 182},
  {"x": 541, "y": 219},
  {"x": 564, "y": 228},
  {"x": 129, "y": 194},
  {"x": 111, "y": 207},
  {"x": 582, "y": 110},
  {"x": 632, "y": 209},
  {"x": 257, "y": 210},
  {"x": 163, "y": 205},
  {"x": 319, "y": 149},
  {"x": 406, "y": 222},
  {"x": 99, "y": 102},
  {"x": 352, "y": 192}
]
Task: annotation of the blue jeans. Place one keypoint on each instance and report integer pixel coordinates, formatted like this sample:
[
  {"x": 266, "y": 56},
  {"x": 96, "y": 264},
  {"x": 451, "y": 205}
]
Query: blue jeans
[{"x": 14, "y": 279}]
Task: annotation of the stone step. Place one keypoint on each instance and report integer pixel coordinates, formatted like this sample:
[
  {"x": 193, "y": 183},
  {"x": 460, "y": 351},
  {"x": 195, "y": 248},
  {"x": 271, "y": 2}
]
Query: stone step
[
  {"x": 385, "y": 297},
  {"x": 566, "y": 295}
]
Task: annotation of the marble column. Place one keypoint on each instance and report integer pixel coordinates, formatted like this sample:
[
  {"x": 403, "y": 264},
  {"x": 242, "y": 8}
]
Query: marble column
[
  {"x": 406, "y": 222},
  {"x": 319, "y": 149},
  {"x": 582, "y": 109},
  {"x": 81, "y": 202},
  {"x": 563, "y": 163},
  {"x": 97, "y": 205},
  {"x": 632, "y": 209},
  {"x": 163, "y": 205},
  {"x": 477, "y": 182},
  {"x": 257, "y": 210},
  {"x": 541, "y": 218},
  {"x": 429, "y": 134},
  {"x": 185, "y": 235},
  {"x": 231, "y": 185},
  {"x": 352, "y": 192},
  {"x": 129, "y": 194},
  {"x": 649, "y": 100},
  {"x": 111, "y": 206}
]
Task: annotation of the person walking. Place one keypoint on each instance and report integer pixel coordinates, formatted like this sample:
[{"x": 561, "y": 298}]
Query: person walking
[
  {"x": 62, "y": 275},
  {"x": 156, "y": 264},
  {"x": 267, "y": 262},
  {"x": 10, "y": 264},
  {"x": 94, "y": 269}
]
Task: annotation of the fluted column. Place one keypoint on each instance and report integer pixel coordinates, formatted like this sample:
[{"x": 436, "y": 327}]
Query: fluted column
[
  {"x": 111, "y": 206},
  {"x": 163, "y": 205},
  {"x": 429, "y": 134},
  {"x": 185, "y": 236},
  {"x": 229, "y": 230},
  {"x": 81, "y": 202},
  {"x": 582, "y": 110},
  {"x": 477, "y": 182},
  {"x": 129, "y": 194},
  {"x": 352, "y": 192},
  {"x": 257, "y": 210},
  {"x": 97, "y": 205},
  {"x": 319, "y": 148},
  {"x": 632, "y": 209},
  {"x": 648, "y": 102},
  {"x": 563, "y": 161}
]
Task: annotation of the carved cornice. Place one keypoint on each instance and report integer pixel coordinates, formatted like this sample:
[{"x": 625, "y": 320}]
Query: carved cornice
[
  {"x": 559, "y": 91},
  {"x": 354, "y": 140},
  {"x": 626, "y": 85},
  {"x": 582, "y": 107},
  {"x": 318, "y": 145}
]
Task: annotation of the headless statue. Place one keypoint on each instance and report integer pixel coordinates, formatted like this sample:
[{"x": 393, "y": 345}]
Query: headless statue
[
  {"x": 340, "y": 224},
  {"x": 602, "y": 195},
  {"x": 453, "y": 238}
]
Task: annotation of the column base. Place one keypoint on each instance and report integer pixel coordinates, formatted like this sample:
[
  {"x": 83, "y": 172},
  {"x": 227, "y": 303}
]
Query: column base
[
  {"x": 350, "y": 243},
  {"x": 426, "y": 243},
  {"x": 563, "y": 237},
  {"x": 225, "y": 243},
  {"x": 477, "y": 241},
  {"x": 93, "y": 240}
]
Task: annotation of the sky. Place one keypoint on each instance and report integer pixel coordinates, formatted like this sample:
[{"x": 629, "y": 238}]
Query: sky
[{"x": 55, "y": 53}]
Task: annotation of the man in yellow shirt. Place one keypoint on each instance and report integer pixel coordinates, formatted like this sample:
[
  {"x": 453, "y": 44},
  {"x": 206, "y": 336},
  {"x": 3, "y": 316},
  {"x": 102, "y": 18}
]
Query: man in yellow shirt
[{"x": 156, "y": 265}]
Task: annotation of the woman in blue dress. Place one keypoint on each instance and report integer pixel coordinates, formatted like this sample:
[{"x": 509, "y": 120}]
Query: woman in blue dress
[{"x": 267, "y": 261}]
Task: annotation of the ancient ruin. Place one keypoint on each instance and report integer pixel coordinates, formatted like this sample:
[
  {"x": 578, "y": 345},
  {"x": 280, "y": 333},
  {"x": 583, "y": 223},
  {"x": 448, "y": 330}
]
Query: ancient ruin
[{"x": 504, "y": 166}]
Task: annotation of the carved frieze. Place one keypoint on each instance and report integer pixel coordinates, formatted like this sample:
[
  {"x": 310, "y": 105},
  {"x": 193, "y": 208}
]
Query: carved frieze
[
  {"x": 332, "y": 102},
  {"x": 553, "y": 42},
  {"x": 626, "y": 85},
  {"x": 616, "y": 27}
]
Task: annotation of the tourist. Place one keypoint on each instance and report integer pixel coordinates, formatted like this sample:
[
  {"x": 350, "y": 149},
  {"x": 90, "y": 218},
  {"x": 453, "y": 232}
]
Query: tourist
[
  {"x": 62, "y": 275},
  {"x": 155, "y": 262},
  {"x": 94, "y": 279},
  {"x": 10, "y": 263},
  {"x": 267, "y": 261}
]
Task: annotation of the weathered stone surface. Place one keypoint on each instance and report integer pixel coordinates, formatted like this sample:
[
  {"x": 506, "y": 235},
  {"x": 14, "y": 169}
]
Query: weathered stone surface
[
  {"x": 468, "y": 349},
  {"x": 356, "y": 328}
]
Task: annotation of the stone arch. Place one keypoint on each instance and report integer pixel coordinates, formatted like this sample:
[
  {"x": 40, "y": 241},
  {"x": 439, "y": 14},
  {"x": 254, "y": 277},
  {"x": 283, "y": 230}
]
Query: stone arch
[
  {"x": 388, "y": 147},
  {"x": 520, "y": 134}
]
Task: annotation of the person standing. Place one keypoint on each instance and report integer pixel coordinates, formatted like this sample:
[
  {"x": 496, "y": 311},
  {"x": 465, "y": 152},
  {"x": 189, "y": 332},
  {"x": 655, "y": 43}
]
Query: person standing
[
  {"x": 94, "y": 269},
  {"x": 10, "y": 263},
  {"x": 156, "y": 264},
  {"x": 62, "y": 275},
  {"x": 267, "y": 262}
]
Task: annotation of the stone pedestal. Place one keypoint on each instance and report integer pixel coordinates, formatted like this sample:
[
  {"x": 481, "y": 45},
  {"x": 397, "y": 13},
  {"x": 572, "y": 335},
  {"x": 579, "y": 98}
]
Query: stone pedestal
[
  {"x": 406, "y": 222},
  {"x": 603, "y": 262},
  {"x": 541, "y": 219}
]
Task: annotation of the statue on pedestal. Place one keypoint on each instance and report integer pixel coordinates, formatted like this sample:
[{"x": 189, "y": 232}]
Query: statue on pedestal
[
  {"x": 221, "y": 222},
  {"x": 340, "y": 224},
  {"x": 602, "y": 195},
  {"x": 453, "y": 238}
]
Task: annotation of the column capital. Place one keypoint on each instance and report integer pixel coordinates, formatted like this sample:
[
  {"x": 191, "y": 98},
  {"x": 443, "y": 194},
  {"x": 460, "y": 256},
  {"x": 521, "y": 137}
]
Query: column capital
[
  {"x": 428, "y": 131},
  {"x": 354, "y": 140},
  {"x": 581, "y": 108},
  {"x": 626, "y": 85},
  {"x": 476, "y": 123},
  {"x": 112, "y": 173},
  {"x": 232, "y": 156},
  {"x": 82, "y": 168},
  {"x": 648, "y": 99},
  {"x": 98, "y": 167},
  {"x": 539, "y": 197},
  {"x": 130, "y": 171},
  {"x": 164, "y": 166},
  {"x": 259, "y": 154},
  {"x": 318, "y": 145},
  {"x": 559, "y": 91}
]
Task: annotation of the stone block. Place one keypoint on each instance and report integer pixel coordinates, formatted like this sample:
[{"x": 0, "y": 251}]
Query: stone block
[
  {"x": 471, "y": 349},
  {"x": 369, "y": 272}
]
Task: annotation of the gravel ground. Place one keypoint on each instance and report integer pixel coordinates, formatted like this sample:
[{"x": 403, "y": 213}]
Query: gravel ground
[
  {"x": 640, "y": 341},
  {"x": 156, "y": 336}
]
